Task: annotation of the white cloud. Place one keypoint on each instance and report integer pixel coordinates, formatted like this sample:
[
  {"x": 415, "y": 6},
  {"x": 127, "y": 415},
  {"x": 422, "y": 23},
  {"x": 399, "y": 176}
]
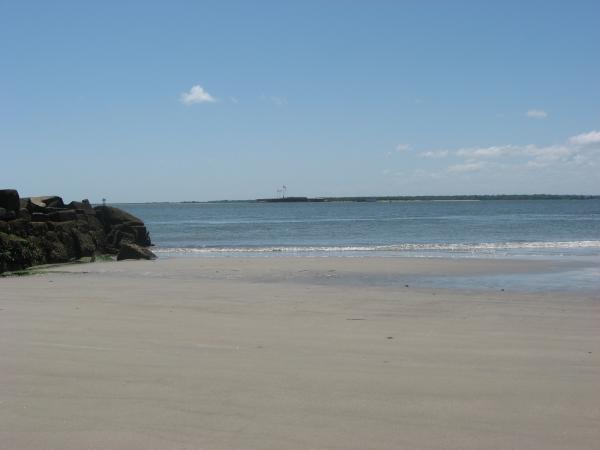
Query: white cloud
[
  {"x": 469, "y": 166},
  {"x": 577, "y": 151},
  {"x": 545, "y": 156},
  {"x": 537, "y": 114},
  {"x": 439, "y": 154},
  {"x": 197, "y": 94},
  {"x": 420, "y": 173},
  {"x": 568, "y": 166},
  {"x": 487, "y": 152},
  {"x": 593, "y": 137}
]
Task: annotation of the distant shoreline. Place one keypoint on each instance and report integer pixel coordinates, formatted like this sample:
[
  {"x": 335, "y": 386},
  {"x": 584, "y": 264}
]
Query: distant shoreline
[{"x": 404, "y": 198}]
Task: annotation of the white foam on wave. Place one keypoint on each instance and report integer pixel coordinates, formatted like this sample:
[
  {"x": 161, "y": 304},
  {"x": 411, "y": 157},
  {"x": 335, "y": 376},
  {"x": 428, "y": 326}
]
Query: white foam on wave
[{"x": 408, "y": 247}]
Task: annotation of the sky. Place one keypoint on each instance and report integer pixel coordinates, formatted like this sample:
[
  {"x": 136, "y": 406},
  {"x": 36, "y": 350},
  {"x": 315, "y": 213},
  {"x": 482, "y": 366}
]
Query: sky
[{"x": 173, "y": 101}]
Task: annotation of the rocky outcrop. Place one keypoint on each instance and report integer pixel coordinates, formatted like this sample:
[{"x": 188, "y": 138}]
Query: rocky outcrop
[
  {"x": 129, "y": 250},
  {"x": 44, "y": 230},
  {"x": 121, "y": 226}
]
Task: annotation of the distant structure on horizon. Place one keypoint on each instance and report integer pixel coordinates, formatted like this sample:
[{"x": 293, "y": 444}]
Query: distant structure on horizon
[
  {"x": 284, "y": 199},
  {"x": 282, "y": 191}
]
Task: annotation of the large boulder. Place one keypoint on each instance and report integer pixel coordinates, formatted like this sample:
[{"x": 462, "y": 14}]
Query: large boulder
[
  {"x": 52, "y": 201},
  {"x": 82, "y": 207},
  {"x": 129, "y": 250},
  {"x": 9, "y": 200},
  {"x": 110, "y": 216},
  {"x": 122, "y": 226}
]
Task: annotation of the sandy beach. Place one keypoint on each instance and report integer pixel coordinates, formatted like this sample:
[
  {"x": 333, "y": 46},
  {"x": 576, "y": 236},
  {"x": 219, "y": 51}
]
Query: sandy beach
[{"x": 294, "y": 353}]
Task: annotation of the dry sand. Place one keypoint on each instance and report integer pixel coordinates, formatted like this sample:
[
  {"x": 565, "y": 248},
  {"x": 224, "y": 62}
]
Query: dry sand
[{"x": 293, "y": 353}]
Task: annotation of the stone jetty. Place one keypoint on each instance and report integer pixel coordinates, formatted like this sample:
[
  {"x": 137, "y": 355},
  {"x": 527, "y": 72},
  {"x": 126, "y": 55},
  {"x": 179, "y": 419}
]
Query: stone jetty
[{"x": 45, "y": 230}]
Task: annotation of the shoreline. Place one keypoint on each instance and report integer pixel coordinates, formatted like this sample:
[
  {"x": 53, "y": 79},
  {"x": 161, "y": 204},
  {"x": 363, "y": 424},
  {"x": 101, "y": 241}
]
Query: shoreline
[
  {"x": 472, "y": 274},
  {"x": 526, "y": 275}
]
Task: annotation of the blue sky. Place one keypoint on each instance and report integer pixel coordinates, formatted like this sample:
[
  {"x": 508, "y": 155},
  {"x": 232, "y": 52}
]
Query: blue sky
[{"x": 158, "y": 101}]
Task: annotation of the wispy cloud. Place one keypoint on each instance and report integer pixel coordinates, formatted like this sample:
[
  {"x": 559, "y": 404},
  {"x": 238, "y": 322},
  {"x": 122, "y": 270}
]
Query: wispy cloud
[
  {"x": 489, "y": 152},
  {"x": 438, "y": 154},
  {"x": 197, "y": 94},
  {"x": 469, "y": 166},
  {"x": 421, "y": 173},
  {"x": 536, "y": 114},
  {"x": 591, "y": 138},
  {"x": 518, "y": 167},
  {"x": 274, "y": 99},
  {"x": 400, "y": 148},
  {"x": 279, "y": 101},
  {"x": 577, "y": 150}
]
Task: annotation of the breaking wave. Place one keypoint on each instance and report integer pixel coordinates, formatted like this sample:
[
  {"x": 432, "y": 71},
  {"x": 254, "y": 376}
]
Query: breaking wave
[{"x": 395, "y": 248}]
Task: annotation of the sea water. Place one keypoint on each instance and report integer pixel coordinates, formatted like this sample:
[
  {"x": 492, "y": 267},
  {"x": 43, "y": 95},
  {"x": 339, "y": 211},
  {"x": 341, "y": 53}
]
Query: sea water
[
  {"x": 560, "y": 230},
  {"x": 494, "y": 228}
]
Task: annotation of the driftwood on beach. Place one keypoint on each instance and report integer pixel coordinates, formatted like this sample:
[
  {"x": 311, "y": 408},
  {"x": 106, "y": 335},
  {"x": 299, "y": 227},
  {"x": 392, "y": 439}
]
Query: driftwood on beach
[{"x": 45, "y": 230}]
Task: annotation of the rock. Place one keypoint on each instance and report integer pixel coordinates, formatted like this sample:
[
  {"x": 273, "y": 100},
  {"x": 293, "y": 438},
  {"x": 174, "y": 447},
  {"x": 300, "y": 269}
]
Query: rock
[
  {"x": 56, "y": 252},
  {"x": 84, "y": 242},
  {"x": 65, "y": 232},
  {"x": 43, "y": 230},
  {"x": 122, "y": 226},
  {"x": 129, "y": 250},
  {"x": 39, "y": 217},
  {"x": 18, "y": 253},
  {"x": 24, "y": 214},
  {"x": 9, "y": 200},
  {"x": 20, "y": 227},
  {"x": 110, "y": 215},
  {"x": 42, "y": 204},
  {"x": 83, "y": 205},
  {"x": 39, "y": 228},
  {"x": 33, "y": 207},
  {"x": 98, "y": 234},
  {"x": 63, "y": 215},
  {"x": 142, "y": 237},
  {"x": 7, "y": 214}
]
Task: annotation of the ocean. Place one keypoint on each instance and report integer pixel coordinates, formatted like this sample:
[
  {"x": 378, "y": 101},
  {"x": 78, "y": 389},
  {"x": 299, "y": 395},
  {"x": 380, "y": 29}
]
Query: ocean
[{"x": 494, "y": 228}]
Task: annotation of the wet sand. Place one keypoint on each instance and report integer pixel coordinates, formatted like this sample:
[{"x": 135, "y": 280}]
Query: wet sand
[{"x": 294, "y": 353}]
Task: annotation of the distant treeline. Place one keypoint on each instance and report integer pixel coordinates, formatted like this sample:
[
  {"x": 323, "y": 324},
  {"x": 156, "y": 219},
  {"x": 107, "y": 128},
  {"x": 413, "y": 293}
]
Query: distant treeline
[{"x": 406, "y": 198}]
